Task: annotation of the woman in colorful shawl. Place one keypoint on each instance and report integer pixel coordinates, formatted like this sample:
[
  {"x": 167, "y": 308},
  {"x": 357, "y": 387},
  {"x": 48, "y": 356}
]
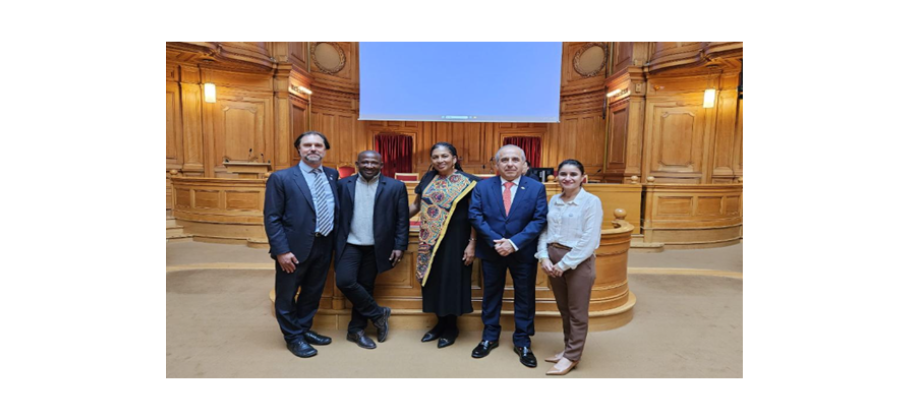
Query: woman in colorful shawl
[{"x": 447, "y": 242}]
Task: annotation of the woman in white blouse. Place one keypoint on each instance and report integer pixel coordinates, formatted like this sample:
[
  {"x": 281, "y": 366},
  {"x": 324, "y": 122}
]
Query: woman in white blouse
[{"x": 566, "y": 254}]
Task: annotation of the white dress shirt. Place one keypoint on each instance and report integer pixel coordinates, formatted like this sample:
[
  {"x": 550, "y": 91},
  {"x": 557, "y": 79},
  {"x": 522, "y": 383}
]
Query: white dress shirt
[{"x": 576, "y": 224}]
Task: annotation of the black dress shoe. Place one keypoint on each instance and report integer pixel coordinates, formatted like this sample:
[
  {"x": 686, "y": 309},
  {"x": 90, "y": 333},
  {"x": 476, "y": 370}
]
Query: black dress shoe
[
  {"x": 432, "y": 334},
  {"x": 527, "y": 357},
  {"x": 362, "y": 340},
  {"x": 483, "y": 349},
  {"x": 316, "y": 339},
  {"x": 301, "y": 348},
  {"x": 383, "y": 325},
  {"x": 448, "y": 338}
]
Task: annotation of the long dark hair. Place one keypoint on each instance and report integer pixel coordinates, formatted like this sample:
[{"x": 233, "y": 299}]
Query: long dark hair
[{"x": 574, "y": 163}]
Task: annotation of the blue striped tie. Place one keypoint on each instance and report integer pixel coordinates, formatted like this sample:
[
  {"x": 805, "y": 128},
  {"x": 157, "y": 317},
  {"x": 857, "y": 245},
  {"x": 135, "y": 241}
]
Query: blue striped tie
[{"x": 323, "y": 215}]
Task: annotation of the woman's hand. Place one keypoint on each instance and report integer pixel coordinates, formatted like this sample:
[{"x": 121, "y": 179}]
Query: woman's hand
[
  {"x": 547, "y": 266},
  {"x": 469, "y": 253}
]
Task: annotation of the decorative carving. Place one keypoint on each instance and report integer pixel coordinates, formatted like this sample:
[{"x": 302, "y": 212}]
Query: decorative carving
[
  {"x": 620, "y": 225},
  {"x": 650, "y": 179},
  {"x": 587, "y": 65},
  {"x": 326, "y": 61},
  {"x": 634, "y": 179}
]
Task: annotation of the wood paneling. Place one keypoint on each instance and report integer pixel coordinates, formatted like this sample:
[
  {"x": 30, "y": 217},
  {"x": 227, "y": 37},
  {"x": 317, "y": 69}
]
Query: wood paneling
[
  {"x": 738, "y": 154},
  {"x": 240, "y": 124},
  {"x": 398, "y": 289},
  {"x": 675, "y": 141},
  {"x": 228, "y": 210},
  {"x": 340, "y": 129},
  {"x": 173, "y": 126},
  {"x": 616, "y": 148},
  {"x": 192, "y": 134},
  {"x": 693, "y": 216},
  {"x": 724, "y": 137},
  {"x": 572, "y": 81}
]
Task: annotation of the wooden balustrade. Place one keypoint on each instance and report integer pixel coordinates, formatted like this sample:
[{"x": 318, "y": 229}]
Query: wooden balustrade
[{"x": 693, "y": 216}]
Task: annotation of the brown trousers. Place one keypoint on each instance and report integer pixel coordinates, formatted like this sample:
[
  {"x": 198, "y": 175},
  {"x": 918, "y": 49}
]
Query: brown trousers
[{"x": 573, "y": 294}]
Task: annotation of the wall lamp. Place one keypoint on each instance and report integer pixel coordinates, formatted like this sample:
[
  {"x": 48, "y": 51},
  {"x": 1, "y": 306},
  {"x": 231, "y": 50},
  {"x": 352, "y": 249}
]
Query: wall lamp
[
  {"x": 709, "y": 98},
  {"x": 210, "y": 93}
]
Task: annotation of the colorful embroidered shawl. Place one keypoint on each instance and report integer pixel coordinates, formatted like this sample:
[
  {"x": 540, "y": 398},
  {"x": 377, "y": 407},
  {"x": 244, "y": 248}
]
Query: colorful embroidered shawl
[{"x": 438, "y": 205}]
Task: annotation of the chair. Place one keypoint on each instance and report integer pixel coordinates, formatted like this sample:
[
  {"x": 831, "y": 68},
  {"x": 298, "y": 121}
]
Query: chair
[
  {"x": 345, "y": 171},
  {"x": 406, "y": 177}
]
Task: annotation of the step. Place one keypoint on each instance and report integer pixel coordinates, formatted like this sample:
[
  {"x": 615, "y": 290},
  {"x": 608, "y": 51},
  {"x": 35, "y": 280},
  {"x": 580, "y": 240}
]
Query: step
[{"x": 646, "y": 247}]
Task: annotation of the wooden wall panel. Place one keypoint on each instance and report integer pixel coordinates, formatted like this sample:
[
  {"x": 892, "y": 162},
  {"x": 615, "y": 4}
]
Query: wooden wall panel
[
  {"x": 622, "y": 56},
  {"x": 572, "y": 81},
  {"x": 726, "y": 118},
  {"x": 737, "y": 163},
  {"x": 299, "y": 119},
  {"x": 192, "y": 100},
  {"x": 692, "y": 216},
  {"x": 173, "y": 126},
  {"x": 590, "y": 143},
  {"x": 240, "y": 124},
  {"x": 674, "y": 54},
  {"x": 675, "y": 141},
  {"x": 616, "y": 143},
  {"x": 298, "y": 53}
]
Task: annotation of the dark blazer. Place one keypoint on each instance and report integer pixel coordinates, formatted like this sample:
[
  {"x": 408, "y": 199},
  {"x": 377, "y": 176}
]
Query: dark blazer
[
  {"x": 391, "y": 218},
  {"x": 290, "y": 214},
  {"x": 522, "y": 226}
]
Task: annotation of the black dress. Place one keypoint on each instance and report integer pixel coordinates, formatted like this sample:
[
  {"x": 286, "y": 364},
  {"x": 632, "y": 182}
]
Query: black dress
[{"x": 448, "y": 290}]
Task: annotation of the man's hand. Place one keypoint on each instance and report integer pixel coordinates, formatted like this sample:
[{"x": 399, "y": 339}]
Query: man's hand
[
  {"x": 503, "y": 247},
  {"x": 288, "y": 262},
  {"x": 395, "y": 256}
]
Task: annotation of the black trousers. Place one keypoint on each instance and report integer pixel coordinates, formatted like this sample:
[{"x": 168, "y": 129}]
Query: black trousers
[
  {"x": 295, "y": 316},
  {"x": 355, "y": 273}
]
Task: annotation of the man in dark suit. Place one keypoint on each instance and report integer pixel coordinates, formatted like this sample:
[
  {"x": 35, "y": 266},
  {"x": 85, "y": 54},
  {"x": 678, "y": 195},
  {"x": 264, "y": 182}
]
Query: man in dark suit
[
  {"x": 508, "y": 213},
  {"x": 372, "y": 235},
  {"x": 301, "y": 204}
]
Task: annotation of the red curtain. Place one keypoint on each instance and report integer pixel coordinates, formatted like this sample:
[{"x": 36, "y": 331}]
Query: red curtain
[
  {"x": 396, "y": 150},
  {"x": 531, "y": 146}
]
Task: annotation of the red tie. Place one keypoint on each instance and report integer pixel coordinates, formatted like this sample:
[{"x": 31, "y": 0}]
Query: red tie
[{"x": 506, "y": 197}]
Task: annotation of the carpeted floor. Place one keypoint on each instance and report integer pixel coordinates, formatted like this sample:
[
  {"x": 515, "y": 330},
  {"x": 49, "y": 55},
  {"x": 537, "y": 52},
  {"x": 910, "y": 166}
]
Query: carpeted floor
[{"x": 219, "y": 323}]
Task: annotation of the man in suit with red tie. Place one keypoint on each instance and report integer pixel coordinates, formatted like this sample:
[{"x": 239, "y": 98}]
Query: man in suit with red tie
[
  {"x": 508, "y": 213},
  {"x": 301, "y": 204}
]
